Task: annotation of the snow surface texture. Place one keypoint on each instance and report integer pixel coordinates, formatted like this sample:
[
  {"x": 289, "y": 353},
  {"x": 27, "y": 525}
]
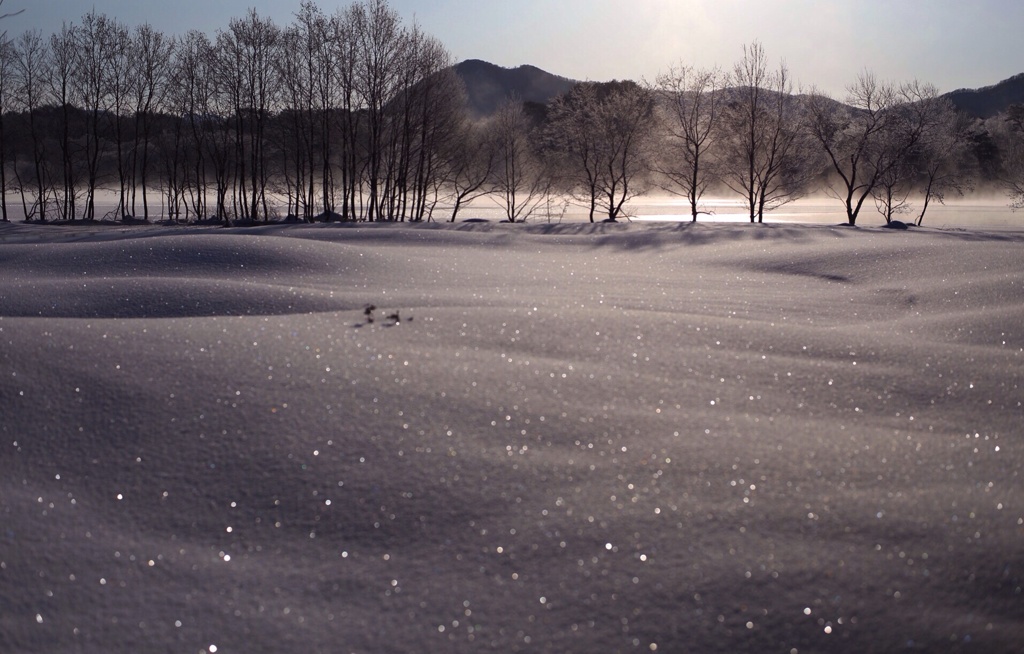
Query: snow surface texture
[{"x": 706, "y": 438}]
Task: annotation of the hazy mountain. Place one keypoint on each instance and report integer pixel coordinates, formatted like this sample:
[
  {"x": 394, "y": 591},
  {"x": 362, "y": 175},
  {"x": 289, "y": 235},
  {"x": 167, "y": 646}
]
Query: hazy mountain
[
  {"x": 990, "y": 100},
  {"x": 488, "y": 85}
]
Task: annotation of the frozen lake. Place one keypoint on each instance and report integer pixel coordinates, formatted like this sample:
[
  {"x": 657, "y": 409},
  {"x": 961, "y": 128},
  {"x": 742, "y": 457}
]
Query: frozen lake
[
  {"x": 964, "y": 213},
  {"x": 989, "y": 212}
]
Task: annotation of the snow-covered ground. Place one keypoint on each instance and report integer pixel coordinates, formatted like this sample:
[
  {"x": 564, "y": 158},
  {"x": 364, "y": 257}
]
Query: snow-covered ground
[{"x": 574, "y": 437}]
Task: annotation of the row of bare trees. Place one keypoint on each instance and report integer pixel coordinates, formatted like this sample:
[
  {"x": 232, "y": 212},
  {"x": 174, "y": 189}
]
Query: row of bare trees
[
  {"x": 748, "y": 131},
  {"x": 887, "y": 141},
  {"x": 356, "y": 116},
  {"x": 352, "y": 114},
  {"x": 745, "y": 132}
]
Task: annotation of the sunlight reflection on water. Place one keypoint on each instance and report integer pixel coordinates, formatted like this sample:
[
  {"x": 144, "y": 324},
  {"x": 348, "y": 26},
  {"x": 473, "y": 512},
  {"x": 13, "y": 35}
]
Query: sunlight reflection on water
[
  {"x": 980, "y": 212},
  {"x": 989, "y": 212}
]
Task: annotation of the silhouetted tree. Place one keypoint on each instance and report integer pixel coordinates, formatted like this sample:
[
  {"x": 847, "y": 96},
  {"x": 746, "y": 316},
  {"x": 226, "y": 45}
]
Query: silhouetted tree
[
  {"x": 766, "y": 158},
  {"x": 692, "y": 101},
  {"x": 472, "y": 158},
  {"x": 6, "y": 81},
  {"x": 63, "y": 72},
  {"x": 345, "y": 68},
  {"x": 927, "y": 143},
  {"x": 378, "y": 77},
  {"x": 6, "y": 64},
  {"x": 865, "y": 140},
  {"x": 572, "y": 129},
  {"x": 246, "y": 67},
  {"x": 31, "y": 70},
  {"x": 946, "y": 164},
  {"x": 941, "y": 159},
  {"x": 192, "y": 96},
  {"x": 120, "y": 62},
  {"x": 436, "y": 121},
  {"x": 96, "y": 49},
  {"x": 326, "y": 52},
  {"x": 152, "y": 54},
  {"x": 295, "y": 133},
  {"x": 892, "y": 190},
  {"x": 519, "y": 181}
]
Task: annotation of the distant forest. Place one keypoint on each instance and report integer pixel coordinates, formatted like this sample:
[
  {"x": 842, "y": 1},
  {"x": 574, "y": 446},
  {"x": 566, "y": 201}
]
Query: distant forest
[{"x": 357, "y": 116}]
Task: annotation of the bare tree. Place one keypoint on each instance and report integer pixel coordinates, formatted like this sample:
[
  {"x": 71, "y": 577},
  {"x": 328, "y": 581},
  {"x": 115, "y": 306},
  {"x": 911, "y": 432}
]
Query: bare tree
[
  {"x": 6, "y": 81},
  {"x": 1013, "y": 156},
  {"x": 692, "y": 101},
  {"x": 864, "y": 139},
  {"x": 892, "y": 190},
  {"x": 63, "y": 72},
  {"x": 306, "y": 66},
  {"x": 471, "y": 165},
  {"x": 211, "y": 91},
  {"x": 912, "y": 108},
  {"x": 604, "y": 131},
  {"x": 944, "y": 159},
  {"x": 747, "y": 119},
  {"x": 120, "y": 64},
  {"x": 572, "y": 128},
  {"x": 247, "y": 65},
  {"x": 766, "y": 160},
  {"x": 625, "y": 121},
  {"x": 296, "y": 63},
  {"x": 434, "y": 120},
  {"x": 168, "y": 148},
  {"x": 345, "y": 74},
  {"x": 31, "y": 66},
  {"x": 378, "y": 77},
  {"x": 95, "y": 51},
  {"x": 153, "y": 56},
  {"x": 925, "y": 149},
  {"x": 6, "y": 70},
  {"x": 191, "y": 97},
  {"x": 323, "y": 75},
  {"x": 519, "y": 180}
]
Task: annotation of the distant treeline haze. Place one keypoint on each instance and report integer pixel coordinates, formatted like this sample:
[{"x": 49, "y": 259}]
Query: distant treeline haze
[{"x": 357, "y": 116}]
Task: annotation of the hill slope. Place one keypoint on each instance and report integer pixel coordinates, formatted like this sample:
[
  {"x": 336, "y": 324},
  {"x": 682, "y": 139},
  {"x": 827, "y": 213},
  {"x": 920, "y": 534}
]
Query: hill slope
[
  {"x": 488, "y": 85},
  {"x": 990, "y": 100}
]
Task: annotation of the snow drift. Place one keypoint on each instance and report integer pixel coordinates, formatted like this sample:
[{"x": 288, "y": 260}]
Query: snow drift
[{"x": 548, "y": 437}]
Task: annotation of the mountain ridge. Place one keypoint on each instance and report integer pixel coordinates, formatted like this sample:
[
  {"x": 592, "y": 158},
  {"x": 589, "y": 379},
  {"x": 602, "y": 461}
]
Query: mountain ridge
[
  {"x": 489, "y": 85},
  {"x": 988, "y": 101}
]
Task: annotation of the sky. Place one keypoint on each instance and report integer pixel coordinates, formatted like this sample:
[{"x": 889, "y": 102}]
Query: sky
[{"x": 825, "y": 43}]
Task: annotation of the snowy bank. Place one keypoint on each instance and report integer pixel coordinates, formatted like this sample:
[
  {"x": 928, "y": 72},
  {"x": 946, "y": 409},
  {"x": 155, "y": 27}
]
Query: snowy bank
[{"x": 549, "y": 437}]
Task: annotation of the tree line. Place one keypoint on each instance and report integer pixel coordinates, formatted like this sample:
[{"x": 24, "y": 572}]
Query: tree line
[
  {"x": 357, "y": 116},
  {"x": 350, "y": 116},
  {"x": 746, "y": 132}
]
